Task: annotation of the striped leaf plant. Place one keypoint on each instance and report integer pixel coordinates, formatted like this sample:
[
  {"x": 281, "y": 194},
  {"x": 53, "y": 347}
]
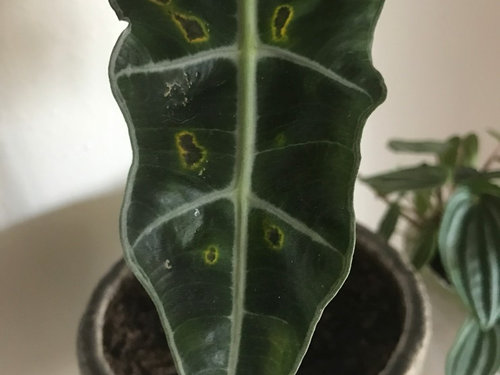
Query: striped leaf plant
[
  {"x": 245, "y": 119},
  {"x": 453, "y": 211}
]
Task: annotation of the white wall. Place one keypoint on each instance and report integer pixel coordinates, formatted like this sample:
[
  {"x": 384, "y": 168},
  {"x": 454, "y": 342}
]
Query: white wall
[
  {"x": 62, "y": 139},
  {"x": 440, "y": 60}
]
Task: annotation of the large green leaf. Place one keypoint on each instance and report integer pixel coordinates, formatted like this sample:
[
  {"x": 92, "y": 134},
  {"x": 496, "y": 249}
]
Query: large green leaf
[
  {"x": 413, "y": 178},
  {"x": 476, "y": 351},
  {"x": 469, "y": 244},
  {"x": 245, "y": 119}
]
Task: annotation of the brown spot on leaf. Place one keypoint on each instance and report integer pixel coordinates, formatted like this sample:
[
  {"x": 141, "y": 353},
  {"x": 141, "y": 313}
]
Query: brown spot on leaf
[
  {"x": 191, "y": 27},
  {"x": 274, "y": 237},
  {"x": 211, "y": 255},
  {"x": 190, "y": 152},
  {"x": 282, "y": 17}
]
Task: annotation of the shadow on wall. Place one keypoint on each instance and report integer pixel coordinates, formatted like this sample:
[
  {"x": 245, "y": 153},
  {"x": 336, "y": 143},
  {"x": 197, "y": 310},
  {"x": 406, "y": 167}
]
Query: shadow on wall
[{"x": 48, "y": 268}]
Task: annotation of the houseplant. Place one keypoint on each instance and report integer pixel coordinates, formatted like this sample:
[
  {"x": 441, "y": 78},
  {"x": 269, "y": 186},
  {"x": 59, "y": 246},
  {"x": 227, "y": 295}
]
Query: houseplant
[
  {"x": 245, "y": 120},
  {"x": 452, "y": 209}
]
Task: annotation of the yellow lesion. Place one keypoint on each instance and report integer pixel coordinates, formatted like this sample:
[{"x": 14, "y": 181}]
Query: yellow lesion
[
  {"x": 192, "y": 155},
  {"x": 282, "y": 16},
  {"x": 192, "y": 27},
  {"x": 280, "y": 140},
  {"x": 274, "y": 236},
  {"x": 211, "y": 255}
]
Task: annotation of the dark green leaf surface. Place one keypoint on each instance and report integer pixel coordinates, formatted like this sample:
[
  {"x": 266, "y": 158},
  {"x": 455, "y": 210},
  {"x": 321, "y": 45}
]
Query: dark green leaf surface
[
  {"x": 420, "y": 177},
  {"x": 245, "y": 119},
  {"x": 389, "y": 221},
  {"x": 469, "y": 244},
  {"x": 476, "y": 351}
]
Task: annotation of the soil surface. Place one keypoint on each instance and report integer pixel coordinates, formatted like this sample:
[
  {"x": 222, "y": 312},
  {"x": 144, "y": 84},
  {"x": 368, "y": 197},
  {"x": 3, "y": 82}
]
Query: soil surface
[{"x": 356, "y": 335}]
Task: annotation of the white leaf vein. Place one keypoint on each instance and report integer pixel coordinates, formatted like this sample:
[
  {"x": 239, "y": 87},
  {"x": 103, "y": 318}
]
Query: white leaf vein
[
  {"x": 231, "y": 53},
  {"x": 226, "y": 52},
  {"x": 182, "y": 209},
  {"x": 292, "y": 145},
  {"x": 277, "y": 52}
]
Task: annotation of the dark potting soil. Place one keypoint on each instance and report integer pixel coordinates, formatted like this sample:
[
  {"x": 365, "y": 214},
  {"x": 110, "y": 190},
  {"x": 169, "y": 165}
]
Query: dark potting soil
[{"x": 356, "y": 335}]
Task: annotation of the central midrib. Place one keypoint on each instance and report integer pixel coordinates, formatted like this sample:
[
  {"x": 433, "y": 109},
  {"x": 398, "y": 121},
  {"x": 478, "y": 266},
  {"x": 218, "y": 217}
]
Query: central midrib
[{"x": 247, "y": 118}]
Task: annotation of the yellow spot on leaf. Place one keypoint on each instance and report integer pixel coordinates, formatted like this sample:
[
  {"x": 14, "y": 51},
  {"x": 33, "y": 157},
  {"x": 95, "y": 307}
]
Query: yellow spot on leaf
[
  {"x": 191, "y": 153},
  {"x": 282, "y": 16},
  {"x": 192, "y": 27},
  {"x": 211, "y": 255},
  {"x": 280, "y": 140},
  {"x": 274, "y": 236}
]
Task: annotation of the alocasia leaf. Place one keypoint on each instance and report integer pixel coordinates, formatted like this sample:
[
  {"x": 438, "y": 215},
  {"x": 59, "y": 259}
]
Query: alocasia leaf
[{"x": 245, "y": 119}]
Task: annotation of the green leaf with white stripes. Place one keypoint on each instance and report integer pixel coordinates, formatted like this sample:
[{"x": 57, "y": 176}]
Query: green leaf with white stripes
[
  {"x": 245, "y": 119},
  {"x": 476, "y": 351},
  {"x": 469, "y": 245}
]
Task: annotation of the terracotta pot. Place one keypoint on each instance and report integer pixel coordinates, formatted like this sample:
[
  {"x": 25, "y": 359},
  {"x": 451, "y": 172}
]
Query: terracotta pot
[{"x": 406, "y": 359}]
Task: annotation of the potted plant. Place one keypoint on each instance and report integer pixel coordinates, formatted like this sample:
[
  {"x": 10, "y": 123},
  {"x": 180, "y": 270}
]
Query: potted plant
[
  {"x": 452, "y": 211},
  {"x": 245, "y": 119}
]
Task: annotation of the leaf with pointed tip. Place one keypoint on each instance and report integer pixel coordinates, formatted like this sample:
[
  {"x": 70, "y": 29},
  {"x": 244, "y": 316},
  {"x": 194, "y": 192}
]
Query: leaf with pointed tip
[
  {"x": 470, "y": 149},
  {"x": 424, "y": 245},
  {"x": 476, "y": 351},
  {"x": 389, "y": 221},
  {"x": 469, "y": 245},
  {"x": 449, "y": 156},
  {"x": 471, "y": 176},
  {"x": 245, "y": 119},
  {"x": 419, "y": 147},
  {"x": 414, "y": 178}
]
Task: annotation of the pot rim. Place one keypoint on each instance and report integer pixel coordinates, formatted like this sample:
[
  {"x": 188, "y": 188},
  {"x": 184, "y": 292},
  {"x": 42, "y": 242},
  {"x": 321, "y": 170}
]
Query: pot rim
[
  {"x": 406, "y": 359},
  {"x": 409, "y": 355}
]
